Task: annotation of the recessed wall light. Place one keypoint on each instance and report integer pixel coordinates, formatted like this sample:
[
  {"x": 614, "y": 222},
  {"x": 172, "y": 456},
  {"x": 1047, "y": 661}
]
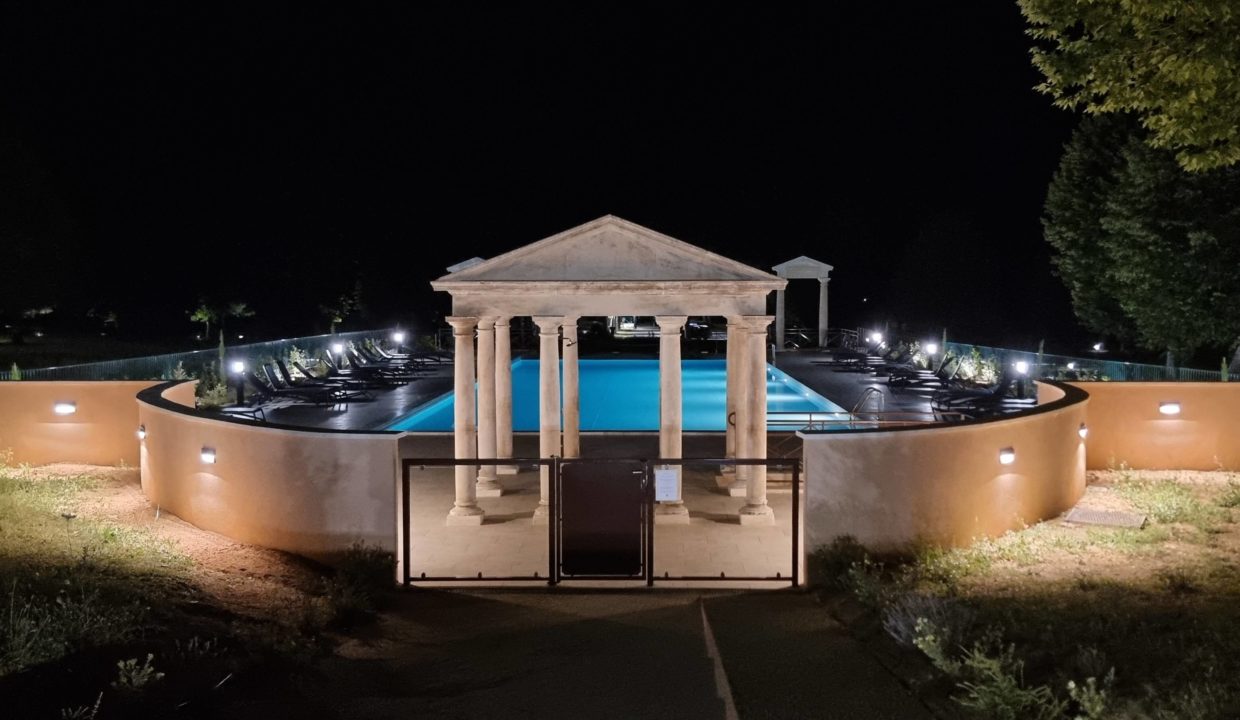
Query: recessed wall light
[
  {"x": 141, "y": 432},
  {"x": 64, "y": 408},
  {"x": 208, "y": 455},
  {"x": 1007, "y": 456},
  {"x": 1082, "y": 431},
  {"x": 1169, "y": 408}
]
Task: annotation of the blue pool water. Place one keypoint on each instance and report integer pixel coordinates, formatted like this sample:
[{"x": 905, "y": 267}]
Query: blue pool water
[{"x": 624, "y": 395}]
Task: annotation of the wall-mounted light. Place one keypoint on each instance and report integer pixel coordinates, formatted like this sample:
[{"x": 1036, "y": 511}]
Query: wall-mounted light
[
  {"x": 1007, "y": 456},
  {"x": 398, "y": 337},
  {"x": 208, "y": 455},
  {"x": 141, "y": 432},
  {"x": 1022, "y": 367},
  {"x": 64, "y": 408},
  {"x": 932, "y": 349},
  {"x": 1169, "y": 408},
  {"x": 1082, "y": 431},
  {"x": 237, "y": 366}
]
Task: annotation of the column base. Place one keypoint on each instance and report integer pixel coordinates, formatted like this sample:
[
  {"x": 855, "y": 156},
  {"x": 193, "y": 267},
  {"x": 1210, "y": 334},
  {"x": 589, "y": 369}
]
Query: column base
[
  {"x": 672, "y": 513},
  {"x": 506, "y": 469},
  {"x": 542, "y": 514},
  {"x": 757, "y": 515},
  {"x": 726, "y": 476},
  {"x": 739, "y": 488},
  {"x": 464, "y": 516},
  {"x": 488, "y": 488}
]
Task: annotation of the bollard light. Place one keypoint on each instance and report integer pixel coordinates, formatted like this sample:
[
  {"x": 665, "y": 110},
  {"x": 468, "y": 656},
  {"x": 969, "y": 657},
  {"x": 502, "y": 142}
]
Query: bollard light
[
  {"x": 932, "y": 349},
  {"x": 398, "y": 337},
  {"x": 1169, "y": 408},
  {"x": 1071, "y": 366},
  {"x": 1097, "y": 347},
  {"x": 208, "y": 455},
  {"x": 1082, "y": 431},
  {"x": 64, "y": 408},
  {"x": 238, "y": 367},
  {"x": 1022, "y": 367},
  {"x": 141, "y": 432},
  {"x": 337, "y": 348},
  {"x": 1007, "y": 456}
]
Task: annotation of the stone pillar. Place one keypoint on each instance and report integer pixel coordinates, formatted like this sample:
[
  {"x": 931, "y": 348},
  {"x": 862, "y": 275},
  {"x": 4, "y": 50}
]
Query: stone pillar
[
  {"x": 503, "y": 395},
  {"x": 572, "y": 390},
  {"x": 465, "y": 510},
  {"x": 738, "y": 376},
  {"x": 548, "y": 406},
  {"x": 488, "y": 485},
  {"x": 779, "y": 320},
  {"x": 756, "y": 511},
  {"x": 670, "y": 411},
  {"x": 822, "y": 311},
  {"x": 734, "y": 394}
]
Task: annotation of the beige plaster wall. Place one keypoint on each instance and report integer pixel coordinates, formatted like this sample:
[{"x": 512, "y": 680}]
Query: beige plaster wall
[
  {"x": 101, "y": 432},
  {"x": 1126, "y": 427},
  {"x": 311, "y": 493},
  {"x": 944, "y": 485}
]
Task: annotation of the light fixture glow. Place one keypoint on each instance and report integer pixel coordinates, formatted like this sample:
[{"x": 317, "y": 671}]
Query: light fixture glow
[
  {"x": 141, "y": 432},
  {"x": 1071, "y": 366},
  {"x": 208, "y": 455},
  {"x": 1022, "y": 367},
  {"x": 932, "y": 348},
  {"x": 1169, "y": 408},
  {"x": 1082, "y": 431},
  {"x": 1097, "y": 347},
  {"x": 337, "y": 348},
  {"x": 398, "y": 337},
  {"x": 238, "y": 367},
  {"x": 878, "y": 337},
  {"x": 1007, "y": 456},
  {"x": 64, "y": 408}
]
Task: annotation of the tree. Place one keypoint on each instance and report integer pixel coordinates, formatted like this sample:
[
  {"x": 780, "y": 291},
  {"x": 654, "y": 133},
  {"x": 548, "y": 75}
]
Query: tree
[
  {"x": 206, "y": 314},
  {"x": 1174, "y": 65},
  {"x": 1148, "y": 250},
  {"x": 344, "y": 306}
]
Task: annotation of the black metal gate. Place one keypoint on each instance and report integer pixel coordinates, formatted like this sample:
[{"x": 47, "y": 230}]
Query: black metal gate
[{"x": 601, "y": 519}]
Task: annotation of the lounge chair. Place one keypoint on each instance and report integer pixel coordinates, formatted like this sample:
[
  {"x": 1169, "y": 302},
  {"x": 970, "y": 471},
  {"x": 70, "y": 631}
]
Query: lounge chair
[
  {"x": 353, "y": 389},
  {"x": 984, "y": 401},
  {"x": 264, "y": 378},
  {"x": 944, "y": 377}
]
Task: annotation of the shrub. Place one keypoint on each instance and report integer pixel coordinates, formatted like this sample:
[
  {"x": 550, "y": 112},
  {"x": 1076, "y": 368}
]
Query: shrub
[
  {"x": 1231, "y": 496},
  {"x": 996, "y": 688},
  {"x": 134, "y": 678},
  {"x": 830, "y": 564},
  {"x": 82, "y": 712},
  {"x": 363, "y": 574},
  {"x": 15, "y": 373},
  {"x": 1091, "y": 699},
  {"x": 952, "y": 619}
]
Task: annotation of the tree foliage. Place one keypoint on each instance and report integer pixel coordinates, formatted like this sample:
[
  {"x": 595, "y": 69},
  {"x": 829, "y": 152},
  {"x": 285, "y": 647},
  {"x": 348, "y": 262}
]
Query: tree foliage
[
  {"x": 1148, "y": 250},
  {"x": 1175, "y": 65}
]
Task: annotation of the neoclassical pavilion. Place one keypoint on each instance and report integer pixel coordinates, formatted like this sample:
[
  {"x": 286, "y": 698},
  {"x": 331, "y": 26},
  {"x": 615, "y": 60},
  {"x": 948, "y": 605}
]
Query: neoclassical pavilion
[
  {"x": 605, "y": 267},
  {"x": 809, "y": 269}
]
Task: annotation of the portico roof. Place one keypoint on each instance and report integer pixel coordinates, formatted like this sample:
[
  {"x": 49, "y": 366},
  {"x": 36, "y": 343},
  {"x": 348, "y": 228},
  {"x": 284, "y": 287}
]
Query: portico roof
[
  {"x": 609, "y": 266},
  {"x": 803, "y": 268}
]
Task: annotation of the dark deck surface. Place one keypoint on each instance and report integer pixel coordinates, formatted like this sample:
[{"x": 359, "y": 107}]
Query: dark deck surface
[
  {"x": 845, "y": 388},
  {"x": 389, "y": 405}
]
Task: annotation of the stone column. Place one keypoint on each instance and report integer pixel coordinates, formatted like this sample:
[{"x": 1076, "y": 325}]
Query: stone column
[
  {"x": 488, "y": 485},
  {"x": 548, "y": 406},
  {"x": 756, "y": 511},
  {"x": 822, "y": 311},
  {"x": 670, "y": 407},
  {"x": 738, "y": 376},
  {"x": 779, "y": 320},
  {"x": 572, "y": 390},
  {"x": 465, "y": 510},
  {"x": 503, "y": 395}
]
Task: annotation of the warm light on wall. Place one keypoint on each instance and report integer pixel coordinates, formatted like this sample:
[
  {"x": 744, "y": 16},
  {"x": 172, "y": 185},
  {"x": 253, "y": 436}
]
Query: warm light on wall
[
  {"x": 1082, "y": 431},
  {"x": 64, "y": 408},
  {"x": 208, "y": 455},
  {"x": 141, "y": 432},
  {"x": 1007, "y": 456},
  {"x": 1169, "y": 408}
]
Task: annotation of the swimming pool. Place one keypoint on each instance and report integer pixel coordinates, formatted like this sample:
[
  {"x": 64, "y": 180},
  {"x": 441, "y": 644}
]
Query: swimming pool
[{"x": 620, "y": 395}]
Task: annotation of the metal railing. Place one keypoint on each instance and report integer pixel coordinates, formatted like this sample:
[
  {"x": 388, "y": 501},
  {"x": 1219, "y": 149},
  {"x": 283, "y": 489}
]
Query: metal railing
[
  {"x": 1064, "y": 367},
  {"x": 192, "y": 364}
]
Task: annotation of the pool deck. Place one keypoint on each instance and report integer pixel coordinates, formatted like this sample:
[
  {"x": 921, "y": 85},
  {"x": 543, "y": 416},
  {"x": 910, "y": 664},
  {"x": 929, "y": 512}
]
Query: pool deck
[{"x": 390, "y": 404}]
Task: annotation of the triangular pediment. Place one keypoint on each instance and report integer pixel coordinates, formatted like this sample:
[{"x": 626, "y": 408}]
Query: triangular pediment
[
  {"x": 608, "y": 249},
  {"x": 803, "y": 267}
]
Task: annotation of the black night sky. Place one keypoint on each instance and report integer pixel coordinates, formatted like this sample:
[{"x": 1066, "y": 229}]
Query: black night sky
[{"x": 275, "y": 152}]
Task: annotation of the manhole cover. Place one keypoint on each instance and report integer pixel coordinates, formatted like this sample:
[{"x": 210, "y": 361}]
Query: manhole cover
[{"x": 1110, "y": 518}]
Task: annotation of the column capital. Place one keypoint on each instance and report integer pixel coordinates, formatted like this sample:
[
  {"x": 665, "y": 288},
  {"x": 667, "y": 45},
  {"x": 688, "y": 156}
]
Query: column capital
[
  {"x": 461, "y": 324},
  {"x": 486, "y": 323},
  {"x": 756, "y": 324},
  {"x": 670, "y": 324},
  {"x": 548, "y": 324},
  {"x": 502, "y": 320}
]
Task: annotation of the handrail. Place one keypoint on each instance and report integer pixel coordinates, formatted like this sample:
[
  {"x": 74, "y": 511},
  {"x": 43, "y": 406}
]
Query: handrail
[{"x": 868, "y": 393}]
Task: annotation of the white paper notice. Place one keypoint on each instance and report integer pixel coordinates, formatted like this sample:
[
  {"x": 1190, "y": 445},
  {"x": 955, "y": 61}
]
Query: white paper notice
[{"x": 665, "y": 483}]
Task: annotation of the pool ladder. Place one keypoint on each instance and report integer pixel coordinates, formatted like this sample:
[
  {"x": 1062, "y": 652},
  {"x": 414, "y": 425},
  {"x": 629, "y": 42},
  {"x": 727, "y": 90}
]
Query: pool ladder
[{"x": 869, "y": 392}]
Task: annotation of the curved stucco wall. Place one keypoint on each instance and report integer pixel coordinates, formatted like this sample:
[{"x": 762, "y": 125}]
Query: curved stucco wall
[
  {"x": 306, "y": 492},
  {"x": 945, "y": 484},
  {"x": 100, "y": 432},
  {"x": 1126, "y": 427}
]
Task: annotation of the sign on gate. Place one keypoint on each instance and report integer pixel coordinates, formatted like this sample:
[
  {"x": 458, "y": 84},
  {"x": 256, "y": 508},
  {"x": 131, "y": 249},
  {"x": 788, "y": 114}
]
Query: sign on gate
[{"x": 665, "y": 484}]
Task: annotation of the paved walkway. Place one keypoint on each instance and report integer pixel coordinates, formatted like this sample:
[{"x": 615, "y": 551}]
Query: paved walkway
[{"x": 578, "y": 654}]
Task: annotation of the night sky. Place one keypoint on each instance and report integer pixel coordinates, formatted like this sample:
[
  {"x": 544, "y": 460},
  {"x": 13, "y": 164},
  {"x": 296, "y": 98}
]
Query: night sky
[{"x": 277, "y": 153}]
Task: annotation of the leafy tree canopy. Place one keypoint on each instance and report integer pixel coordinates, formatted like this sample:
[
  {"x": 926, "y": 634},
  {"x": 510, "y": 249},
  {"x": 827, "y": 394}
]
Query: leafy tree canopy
[
  {"x": 1175, "y": 65},
  {"x": 1148, "y": 250}
]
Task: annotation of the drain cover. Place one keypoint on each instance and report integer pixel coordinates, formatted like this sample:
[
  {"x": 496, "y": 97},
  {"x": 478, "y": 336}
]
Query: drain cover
[{"x": 1110, "y": 518}]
